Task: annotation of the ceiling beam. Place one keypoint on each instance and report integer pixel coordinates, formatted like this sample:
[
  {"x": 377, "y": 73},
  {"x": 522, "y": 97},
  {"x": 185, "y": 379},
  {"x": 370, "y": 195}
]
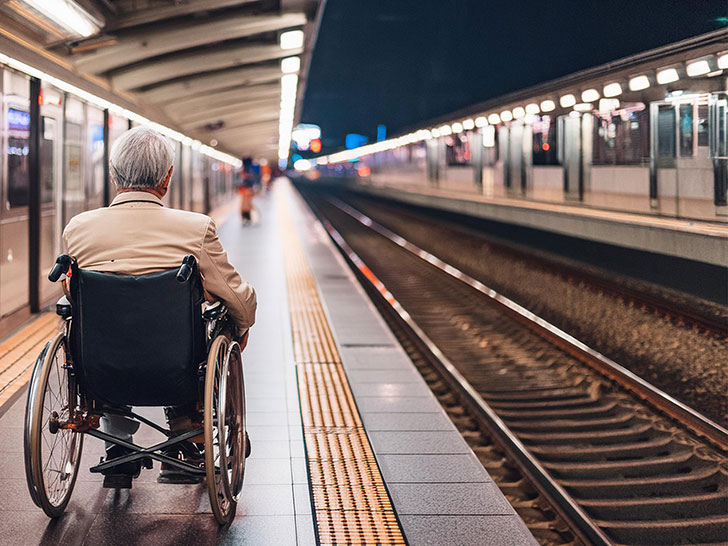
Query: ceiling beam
[
  {"x": 223, "y": 98},
  {"x": 187, "y": 87},
  {"x": 252, "y": 129},
  {"x": 151, "y": 15},
  {"x": 214, "y": 112},
  {"x": 145, "y": 45},
  {"x": 234, "y": 119},
  {"x": 193, "y": 63}
]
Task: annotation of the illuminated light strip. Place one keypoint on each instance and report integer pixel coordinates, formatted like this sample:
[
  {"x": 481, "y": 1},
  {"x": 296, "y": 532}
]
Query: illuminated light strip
[
  {"x": 117, "y": 110},
  {"x": 636, "y": 83}
]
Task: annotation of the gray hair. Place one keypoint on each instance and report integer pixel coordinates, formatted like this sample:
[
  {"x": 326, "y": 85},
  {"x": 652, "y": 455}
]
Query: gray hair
[{"x": 140, "y": 158}]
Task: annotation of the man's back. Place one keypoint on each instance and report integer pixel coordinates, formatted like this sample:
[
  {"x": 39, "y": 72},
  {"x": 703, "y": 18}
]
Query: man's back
[{"x": 138, "y": 235}]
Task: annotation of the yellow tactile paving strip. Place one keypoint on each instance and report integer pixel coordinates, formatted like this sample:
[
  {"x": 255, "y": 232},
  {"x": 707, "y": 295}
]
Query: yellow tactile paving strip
[
  {"x": 19, "y": 351},
  {"x": 351, "y": 503}
]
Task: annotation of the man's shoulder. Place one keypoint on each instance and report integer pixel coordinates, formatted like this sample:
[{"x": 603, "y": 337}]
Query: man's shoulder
[{"x": 175, "y": 219}]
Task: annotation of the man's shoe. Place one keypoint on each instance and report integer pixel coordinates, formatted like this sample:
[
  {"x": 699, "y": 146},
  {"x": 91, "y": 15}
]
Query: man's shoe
[
  {"x": 187, "y": 452},
  {"x": 120, "y": 476}
]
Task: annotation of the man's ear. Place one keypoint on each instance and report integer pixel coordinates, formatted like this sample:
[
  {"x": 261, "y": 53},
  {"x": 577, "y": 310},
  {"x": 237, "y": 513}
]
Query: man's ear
[{"x": 165, "y": 184}]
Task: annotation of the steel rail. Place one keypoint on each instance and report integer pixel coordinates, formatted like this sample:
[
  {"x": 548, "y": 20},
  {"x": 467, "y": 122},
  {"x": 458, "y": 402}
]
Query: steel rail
[
  {"x": 660, "y": 400},
  {"x": 580, "y": 523}
]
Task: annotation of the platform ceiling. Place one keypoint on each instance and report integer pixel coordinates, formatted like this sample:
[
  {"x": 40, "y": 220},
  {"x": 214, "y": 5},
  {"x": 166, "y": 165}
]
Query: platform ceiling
[{"x": 212, "y": 67}]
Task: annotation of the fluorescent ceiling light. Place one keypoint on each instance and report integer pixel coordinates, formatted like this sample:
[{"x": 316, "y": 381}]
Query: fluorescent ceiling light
[
  {"x": 457, "y": 127},
  {"x": 667, "y": 75},
  {"x": 532, "y": 108},
  {"x": 290, "y": 65},
  {"x": 698, "y": 68},
  {"x": 292, "y": 39},
  {"x": 590, "y": 95},
  {"x": 518, "y": 112},
  {"x": 445, "y": 130},
  {"x": 608, "y": 105},
  {"x": 583, "y": 107},
  {"x": 723, "y": 61},
  {"x": 66, "y": 14},
  {"x": 494, "y": 119},
  {"x": 612, "y": 89},
  {"x": 468, "y": 124},
  {"x": 548, "y": 106},
  {"x": 567, "y": 101},
  {"x": 435, "y": 133},
  {"x": 638, "y": 83},
  {"x": 506, "y": 115},
  {"x": 480, "y": 121}
]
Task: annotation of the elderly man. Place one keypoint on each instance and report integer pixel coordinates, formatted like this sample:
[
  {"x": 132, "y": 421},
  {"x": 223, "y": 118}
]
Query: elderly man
[{"x": 137, "y": 234}]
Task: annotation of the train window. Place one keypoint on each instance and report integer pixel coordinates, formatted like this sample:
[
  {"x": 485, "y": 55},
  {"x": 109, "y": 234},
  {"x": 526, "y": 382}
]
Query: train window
[
  {"x": 95, "y": 149},
  {"x": 686, "y": 130},
  {"x": 545, "y": 141},
  {"x": 18, "y": 122},
  {"x": 621, "y": 136},
  {"x": 457, "y": 150},
  {"x": 47, "y": 158},
  {"x": 702, "y": 122},
  {"x": 666, "y": 131}
]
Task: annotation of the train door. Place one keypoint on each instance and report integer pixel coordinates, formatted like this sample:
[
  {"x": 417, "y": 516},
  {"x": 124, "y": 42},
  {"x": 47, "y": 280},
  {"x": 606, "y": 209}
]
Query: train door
[
  {"x": 683, "y": 180},
  {"x": 718, "y": 140},
  {"x": 663, "y": 171},
  {"x": 73, "y": 194},
  {"x": 51, "y": 187},
  {"x": 575, "y": 149},
  {"x": 14, "y": 228}
]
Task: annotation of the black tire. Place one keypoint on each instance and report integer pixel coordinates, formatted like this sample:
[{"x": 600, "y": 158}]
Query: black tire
[
  {"x": 224, "y": 408},
  {"x": 54, "y": 457}
]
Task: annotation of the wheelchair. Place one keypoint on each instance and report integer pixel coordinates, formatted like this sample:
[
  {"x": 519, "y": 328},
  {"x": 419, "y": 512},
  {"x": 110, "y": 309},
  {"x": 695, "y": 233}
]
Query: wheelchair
[{"x": 128, "y": 341}]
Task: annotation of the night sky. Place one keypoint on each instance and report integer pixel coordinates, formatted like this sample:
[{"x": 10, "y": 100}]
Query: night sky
[{"x": 400, "y": 62}]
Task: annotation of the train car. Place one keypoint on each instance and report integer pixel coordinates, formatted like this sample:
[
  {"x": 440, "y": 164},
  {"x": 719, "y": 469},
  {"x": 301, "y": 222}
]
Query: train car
[
  {"x": 646, "y": 134},
  {"x": 55, "y": 164}
]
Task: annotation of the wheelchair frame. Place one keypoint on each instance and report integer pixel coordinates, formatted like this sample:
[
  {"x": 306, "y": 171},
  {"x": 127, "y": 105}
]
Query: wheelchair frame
[{"x": 222, "y": 398}]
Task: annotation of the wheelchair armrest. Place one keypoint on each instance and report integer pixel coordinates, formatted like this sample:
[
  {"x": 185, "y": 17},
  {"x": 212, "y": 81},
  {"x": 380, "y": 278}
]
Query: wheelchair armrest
[{"x": 213, "y": 311}]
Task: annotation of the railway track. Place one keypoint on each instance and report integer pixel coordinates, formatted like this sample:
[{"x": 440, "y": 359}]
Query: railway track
[
  {"x": 672, "y": 310},
  {"x": 619, "y": 461}
]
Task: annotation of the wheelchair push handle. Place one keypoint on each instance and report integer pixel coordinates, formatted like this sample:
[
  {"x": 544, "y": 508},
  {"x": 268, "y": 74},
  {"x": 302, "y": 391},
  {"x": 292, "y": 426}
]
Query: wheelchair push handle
[
  {"x": 62, "y": 265},
  {"x": 185, "y": 270}
]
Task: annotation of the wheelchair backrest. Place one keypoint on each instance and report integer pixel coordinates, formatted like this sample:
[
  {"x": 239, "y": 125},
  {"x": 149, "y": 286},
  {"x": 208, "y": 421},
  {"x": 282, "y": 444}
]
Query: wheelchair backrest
[{"x": 137, "y": 340}]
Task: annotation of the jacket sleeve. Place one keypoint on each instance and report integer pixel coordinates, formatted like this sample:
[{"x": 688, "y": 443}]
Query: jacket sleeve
[{"x": 223, "y": 282}]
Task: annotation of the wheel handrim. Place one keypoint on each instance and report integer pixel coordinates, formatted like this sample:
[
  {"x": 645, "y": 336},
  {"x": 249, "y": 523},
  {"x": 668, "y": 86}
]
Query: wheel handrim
[
  {"x": 223, "y": 505},
  {"x": 56, "y": 453},
  {"x": 232, "y": 457}
]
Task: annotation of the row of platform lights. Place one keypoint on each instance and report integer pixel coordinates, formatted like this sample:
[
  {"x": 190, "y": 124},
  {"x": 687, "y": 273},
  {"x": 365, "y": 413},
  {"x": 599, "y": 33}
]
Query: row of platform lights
[
  {"x": 292, "y": 39},
  {"x": 118, "y": 110},
  {"x": 707, "y": 66}
]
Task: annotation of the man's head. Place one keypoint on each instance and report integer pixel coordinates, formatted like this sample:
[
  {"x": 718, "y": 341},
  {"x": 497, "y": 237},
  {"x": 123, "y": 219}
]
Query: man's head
[{"x": 141, "y": 159}]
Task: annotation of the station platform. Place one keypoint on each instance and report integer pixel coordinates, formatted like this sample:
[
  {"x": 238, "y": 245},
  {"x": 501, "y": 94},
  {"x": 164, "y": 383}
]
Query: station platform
[
  {"x": 349, "y": 446},
  {"x": 703, "y": 242}
]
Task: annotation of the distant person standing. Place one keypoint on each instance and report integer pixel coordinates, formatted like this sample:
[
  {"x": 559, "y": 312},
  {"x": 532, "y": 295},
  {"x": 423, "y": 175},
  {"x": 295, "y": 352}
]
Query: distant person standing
[{"x": 247, "y": 191}]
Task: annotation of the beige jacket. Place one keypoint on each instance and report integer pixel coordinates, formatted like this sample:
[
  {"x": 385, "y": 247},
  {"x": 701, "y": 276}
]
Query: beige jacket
[{"x": 137, "y": 234}]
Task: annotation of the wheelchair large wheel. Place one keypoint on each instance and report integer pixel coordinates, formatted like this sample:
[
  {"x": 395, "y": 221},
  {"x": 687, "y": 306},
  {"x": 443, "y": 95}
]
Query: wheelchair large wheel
[
  {"x": 54, "y": 454},
  {"x": 224, "y": 428}
]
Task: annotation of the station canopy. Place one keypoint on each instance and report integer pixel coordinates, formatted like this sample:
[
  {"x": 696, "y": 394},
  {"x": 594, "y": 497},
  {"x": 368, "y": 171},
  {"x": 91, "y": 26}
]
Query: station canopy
[{"x": 212, "y": 69}]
